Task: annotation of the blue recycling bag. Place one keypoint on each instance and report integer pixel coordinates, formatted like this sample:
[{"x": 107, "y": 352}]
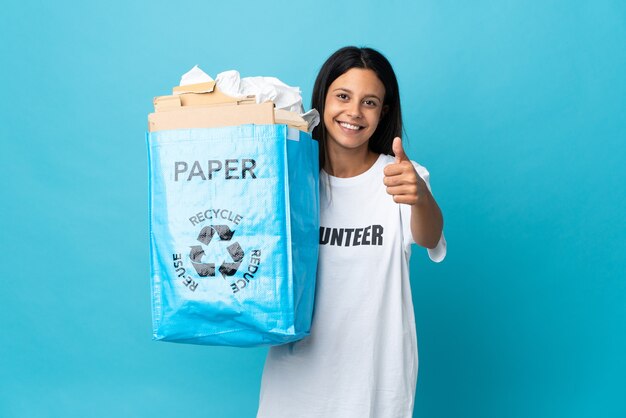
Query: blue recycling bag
[{"x": 234, "y": 225}]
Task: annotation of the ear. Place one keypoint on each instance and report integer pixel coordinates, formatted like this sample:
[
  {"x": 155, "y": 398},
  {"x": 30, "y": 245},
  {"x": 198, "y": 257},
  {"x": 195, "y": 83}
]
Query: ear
[{"x": 384, "y": 111}]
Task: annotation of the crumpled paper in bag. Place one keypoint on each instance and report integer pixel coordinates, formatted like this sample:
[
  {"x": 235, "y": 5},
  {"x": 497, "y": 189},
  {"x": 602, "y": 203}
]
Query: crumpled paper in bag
[
  {"x": 195, "y": 76},
  {"x": 263, "y": 88}
]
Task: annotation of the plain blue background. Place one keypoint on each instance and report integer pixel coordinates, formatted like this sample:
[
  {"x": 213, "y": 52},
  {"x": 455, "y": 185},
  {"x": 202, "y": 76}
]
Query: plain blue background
[{"x": 516, "y": 107}]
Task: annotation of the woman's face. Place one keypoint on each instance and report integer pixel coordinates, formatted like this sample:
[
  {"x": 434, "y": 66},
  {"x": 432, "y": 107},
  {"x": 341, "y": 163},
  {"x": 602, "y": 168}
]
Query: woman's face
[{"x": 353, "y": 107}]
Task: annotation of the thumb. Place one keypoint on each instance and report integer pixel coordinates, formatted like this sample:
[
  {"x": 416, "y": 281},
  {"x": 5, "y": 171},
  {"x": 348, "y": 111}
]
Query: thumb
[{"x": 398, "y": 150}]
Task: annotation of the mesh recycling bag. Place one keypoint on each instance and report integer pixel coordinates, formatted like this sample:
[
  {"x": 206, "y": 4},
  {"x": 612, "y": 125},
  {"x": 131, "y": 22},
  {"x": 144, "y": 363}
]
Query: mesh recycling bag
[{"x": 234, "y": 224}]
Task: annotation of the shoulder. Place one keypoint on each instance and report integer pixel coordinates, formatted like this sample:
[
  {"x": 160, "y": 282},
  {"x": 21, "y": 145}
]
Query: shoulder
[{"x": 421, "y": 171}]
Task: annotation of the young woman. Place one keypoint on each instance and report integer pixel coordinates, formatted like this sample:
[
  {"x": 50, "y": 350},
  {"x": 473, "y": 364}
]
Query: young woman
[{"x": 361, "y": 357}]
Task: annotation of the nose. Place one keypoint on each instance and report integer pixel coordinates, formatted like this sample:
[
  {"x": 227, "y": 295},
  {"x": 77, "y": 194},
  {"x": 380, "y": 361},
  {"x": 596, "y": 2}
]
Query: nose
[{"x": 354, "y": 110}]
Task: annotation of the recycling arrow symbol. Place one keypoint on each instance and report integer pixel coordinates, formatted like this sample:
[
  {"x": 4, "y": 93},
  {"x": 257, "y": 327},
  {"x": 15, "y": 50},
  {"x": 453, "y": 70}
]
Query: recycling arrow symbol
[{"x": 234, "y": 250}]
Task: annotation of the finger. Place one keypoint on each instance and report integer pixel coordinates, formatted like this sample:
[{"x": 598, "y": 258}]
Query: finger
[
  {"x": 398, "y": 180},
  {"x": 403, "y": 190},
  {"x": 394, "y": 169},
  {"x": 406, "y": 199},
  {"x": 398, "y": 150}
]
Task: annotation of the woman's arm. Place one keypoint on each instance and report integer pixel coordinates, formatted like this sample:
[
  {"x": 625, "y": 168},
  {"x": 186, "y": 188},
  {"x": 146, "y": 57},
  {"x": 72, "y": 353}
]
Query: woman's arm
[
  {"x": 426, "y": 220},
  {"x": 406, "y": 186}
]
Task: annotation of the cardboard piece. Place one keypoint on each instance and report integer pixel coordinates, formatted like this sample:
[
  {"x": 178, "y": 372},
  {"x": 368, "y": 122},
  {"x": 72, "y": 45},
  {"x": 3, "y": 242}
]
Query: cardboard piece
[
  {"x": 212, "y": 116},
  {"x": 215, "y": 98},
  {"x": 206, "y": 87},
  {"x": 212, "y": 98},
  {"x": 290, "y": 118}
]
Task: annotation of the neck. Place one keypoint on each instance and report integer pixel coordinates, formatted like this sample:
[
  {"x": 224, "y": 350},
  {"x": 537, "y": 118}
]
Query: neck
[{"x": 346, "y": 163}]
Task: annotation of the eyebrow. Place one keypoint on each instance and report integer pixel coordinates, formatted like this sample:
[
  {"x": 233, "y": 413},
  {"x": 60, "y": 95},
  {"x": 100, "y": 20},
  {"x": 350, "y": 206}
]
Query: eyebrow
[{"x": 350, "y": 91}]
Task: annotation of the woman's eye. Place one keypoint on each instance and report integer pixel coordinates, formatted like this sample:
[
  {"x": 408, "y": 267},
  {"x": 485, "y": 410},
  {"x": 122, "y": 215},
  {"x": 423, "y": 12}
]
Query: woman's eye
[
  {"x": 371, "y": 103},
  {"x": 342, "y": 96}
]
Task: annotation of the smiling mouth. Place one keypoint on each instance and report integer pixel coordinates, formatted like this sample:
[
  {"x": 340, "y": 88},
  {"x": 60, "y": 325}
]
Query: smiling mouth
[{"x": 350, "y": 126}]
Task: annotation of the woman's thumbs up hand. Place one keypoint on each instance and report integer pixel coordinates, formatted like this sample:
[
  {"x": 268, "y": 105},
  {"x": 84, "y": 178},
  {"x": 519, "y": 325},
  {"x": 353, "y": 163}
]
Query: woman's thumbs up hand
[{"x": 401, "y": 179}]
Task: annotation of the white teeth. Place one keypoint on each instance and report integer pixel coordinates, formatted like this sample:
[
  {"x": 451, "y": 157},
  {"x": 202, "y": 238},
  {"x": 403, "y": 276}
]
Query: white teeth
[{"x": 347, "y": 125}]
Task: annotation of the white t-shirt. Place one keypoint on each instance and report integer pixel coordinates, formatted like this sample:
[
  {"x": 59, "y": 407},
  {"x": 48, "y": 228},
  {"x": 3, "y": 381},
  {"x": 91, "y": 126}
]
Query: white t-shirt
[{"x": 361, "y": 357}]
